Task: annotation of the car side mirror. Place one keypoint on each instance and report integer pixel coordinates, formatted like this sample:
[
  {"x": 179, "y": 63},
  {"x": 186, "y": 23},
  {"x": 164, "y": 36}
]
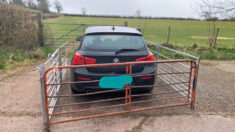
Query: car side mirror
[{"x": 79, "y": 38}]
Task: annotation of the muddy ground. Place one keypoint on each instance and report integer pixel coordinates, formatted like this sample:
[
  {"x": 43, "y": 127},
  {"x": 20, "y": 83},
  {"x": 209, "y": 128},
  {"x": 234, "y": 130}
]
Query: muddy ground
[{"x": 20, "y": 108}]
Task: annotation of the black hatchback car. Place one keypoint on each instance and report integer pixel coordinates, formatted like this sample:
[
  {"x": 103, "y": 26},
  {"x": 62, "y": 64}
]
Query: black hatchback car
[{"x": 111, "y": 44}]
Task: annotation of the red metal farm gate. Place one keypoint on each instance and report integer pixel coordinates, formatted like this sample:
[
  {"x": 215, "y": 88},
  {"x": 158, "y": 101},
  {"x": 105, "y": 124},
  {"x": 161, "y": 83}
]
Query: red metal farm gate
[{"x": 177, "y": 89}]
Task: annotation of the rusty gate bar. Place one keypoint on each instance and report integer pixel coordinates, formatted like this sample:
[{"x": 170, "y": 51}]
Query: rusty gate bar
[{"x": 190, "y": 98}]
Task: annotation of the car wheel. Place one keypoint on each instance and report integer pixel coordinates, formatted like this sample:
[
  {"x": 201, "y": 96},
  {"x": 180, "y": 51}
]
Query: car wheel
[
  {"x": 148, "y": 90},
  {"x": 75, "y": 91},
  {"x": 142, "y": 91}
]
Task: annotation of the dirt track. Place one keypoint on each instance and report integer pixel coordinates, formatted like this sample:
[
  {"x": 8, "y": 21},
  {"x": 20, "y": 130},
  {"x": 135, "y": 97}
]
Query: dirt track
[{"x": 20, "y": 108}]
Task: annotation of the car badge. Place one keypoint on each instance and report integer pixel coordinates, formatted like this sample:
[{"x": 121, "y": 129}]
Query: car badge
[{"x": 115, "y": 60}]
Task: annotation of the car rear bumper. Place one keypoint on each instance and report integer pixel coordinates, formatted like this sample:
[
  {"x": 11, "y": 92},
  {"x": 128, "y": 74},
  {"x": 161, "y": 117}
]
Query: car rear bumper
[{"x": 82, "y": 74}]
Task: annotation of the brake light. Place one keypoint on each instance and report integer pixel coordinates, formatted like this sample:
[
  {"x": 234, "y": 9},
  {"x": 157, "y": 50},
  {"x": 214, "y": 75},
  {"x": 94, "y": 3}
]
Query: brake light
[
  {"x": 80, "y": 59},
  {"x": 84, "y": 78},
  {"x": 149, "y": 57},
  {"x": 147, "y": 77}
]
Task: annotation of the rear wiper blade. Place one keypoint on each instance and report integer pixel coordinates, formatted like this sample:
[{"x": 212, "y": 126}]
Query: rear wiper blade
[{"x": 124, "y": 50}]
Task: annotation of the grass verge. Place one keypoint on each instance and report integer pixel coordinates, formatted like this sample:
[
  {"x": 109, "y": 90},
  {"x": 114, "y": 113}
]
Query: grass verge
[
  {"x": 186, "y": 35},
  {"x": 11, "y": 58},
  {"x": 203, "y": 52}
]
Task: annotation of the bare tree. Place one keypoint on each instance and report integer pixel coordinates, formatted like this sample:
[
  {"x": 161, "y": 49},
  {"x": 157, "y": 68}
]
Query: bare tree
[
  {"x": 210, "y": 10},
  {"x": 138, "y": 13},
  {"x": 31, "y": 4},
  {"x": 83, "y": 10},
  {"x": 43, "y": 5},
  {"x": 220, "y": 8},
  {"x": 3, "y": 1},
  {"x": 58, "y": 6},
  {"x": 207, "y": 14},
  {"x": 18, "y": 2}
]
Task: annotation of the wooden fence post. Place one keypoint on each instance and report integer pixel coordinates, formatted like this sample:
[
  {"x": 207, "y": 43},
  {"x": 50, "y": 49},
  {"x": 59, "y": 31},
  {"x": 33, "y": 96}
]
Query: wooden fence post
[
  {"x": 215, "y": 39},
  {"x": 168, "y": 35},
  {"x": 126, "y": 24},
  {"x": 40, "y": 29}
]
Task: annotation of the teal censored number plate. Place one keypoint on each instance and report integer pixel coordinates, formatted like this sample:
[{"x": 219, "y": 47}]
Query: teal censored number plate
[{"x": 116, "y": 82}]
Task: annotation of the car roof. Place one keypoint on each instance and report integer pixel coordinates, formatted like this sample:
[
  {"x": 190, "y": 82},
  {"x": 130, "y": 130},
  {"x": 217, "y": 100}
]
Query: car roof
[{"x": 111, "y": 29}]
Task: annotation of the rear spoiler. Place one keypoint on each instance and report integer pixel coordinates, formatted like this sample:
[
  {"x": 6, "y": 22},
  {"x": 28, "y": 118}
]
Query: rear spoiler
[{"x": 139, "y": 29}]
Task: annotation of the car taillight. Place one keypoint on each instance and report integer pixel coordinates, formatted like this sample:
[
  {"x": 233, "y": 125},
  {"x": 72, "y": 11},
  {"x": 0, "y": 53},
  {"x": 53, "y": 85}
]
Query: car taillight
[
  {"x": 147, "y": 77},
  {"x": 149, "y": 57},
  {"x": 84, "y": 78},
  {"x": 80, "y": 59}
]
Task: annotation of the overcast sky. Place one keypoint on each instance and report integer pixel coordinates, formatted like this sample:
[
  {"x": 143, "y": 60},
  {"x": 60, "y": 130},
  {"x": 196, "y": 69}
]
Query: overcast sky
[{"x": 156, "y": 8}]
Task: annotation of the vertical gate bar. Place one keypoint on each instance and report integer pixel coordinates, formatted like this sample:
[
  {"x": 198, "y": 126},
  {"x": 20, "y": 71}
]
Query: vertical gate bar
[
  {"x": 60, "y": 64},
  {"x": 127, "y": 97},
  {"x": 197, "y": 64},
  {"x": 126, "y": 89},
  {"x": 196, "y": 69},
  {"x": 157, "y": 57},
  {"x": 172, "y": 69},
  {"x": 130, "y": 72},
  {"x": 190, "y": 78},
  {"x": 83, "y": 25},
  {"x": 46, "y": 101},
  {"x": 44, "y": 115}
]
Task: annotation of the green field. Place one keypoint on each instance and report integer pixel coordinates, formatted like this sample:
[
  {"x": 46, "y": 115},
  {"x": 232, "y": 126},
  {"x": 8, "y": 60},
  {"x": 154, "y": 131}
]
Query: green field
[{"x": 186, "y": 35}]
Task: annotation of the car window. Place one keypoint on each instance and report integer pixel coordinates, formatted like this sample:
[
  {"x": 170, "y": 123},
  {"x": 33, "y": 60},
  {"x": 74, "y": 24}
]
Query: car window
[{"x": 112, "y": 42}]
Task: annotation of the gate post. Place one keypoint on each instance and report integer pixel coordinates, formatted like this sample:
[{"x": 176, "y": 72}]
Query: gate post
[
  {"x": 60, "y": 64},
  {"x": 157, "y": 56},
  {"x": 40, "y": 29},
  {"x": 83, "y": 28},
  {"x": 168, "y": 35},
  {"x": 44, "y": 114},
  {"x": 195, "y": 83}
]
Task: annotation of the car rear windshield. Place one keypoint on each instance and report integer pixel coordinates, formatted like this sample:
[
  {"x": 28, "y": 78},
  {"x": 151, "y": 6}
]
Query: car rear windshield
[{"x": 112, "y": 42}]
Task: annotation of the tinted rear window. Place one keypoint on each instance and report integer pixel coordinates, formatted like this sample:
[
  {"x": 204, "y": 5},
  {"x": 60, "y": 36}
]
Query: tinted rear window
[{"x": 112, "y": 42}]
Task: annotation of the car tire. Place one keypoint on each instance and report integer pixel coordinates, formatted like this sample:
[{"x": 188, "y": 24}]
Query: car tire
[
  {"x": 143, "y": 91},
  {"x": 74, "y": 91},
  {"x": 148, "y": 90}
]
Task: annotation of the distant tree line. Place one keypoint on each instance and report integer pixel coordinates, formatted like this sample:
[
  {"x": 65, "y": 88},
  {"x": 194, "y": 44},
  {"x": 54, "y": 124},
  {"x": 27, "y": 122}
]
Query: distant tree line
[
  {"x": 42, "y": 5},
  {"x": 138, "y": 15},
  {"x": 131, "y": 17},
  {"x": 150, "y": 17}
]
